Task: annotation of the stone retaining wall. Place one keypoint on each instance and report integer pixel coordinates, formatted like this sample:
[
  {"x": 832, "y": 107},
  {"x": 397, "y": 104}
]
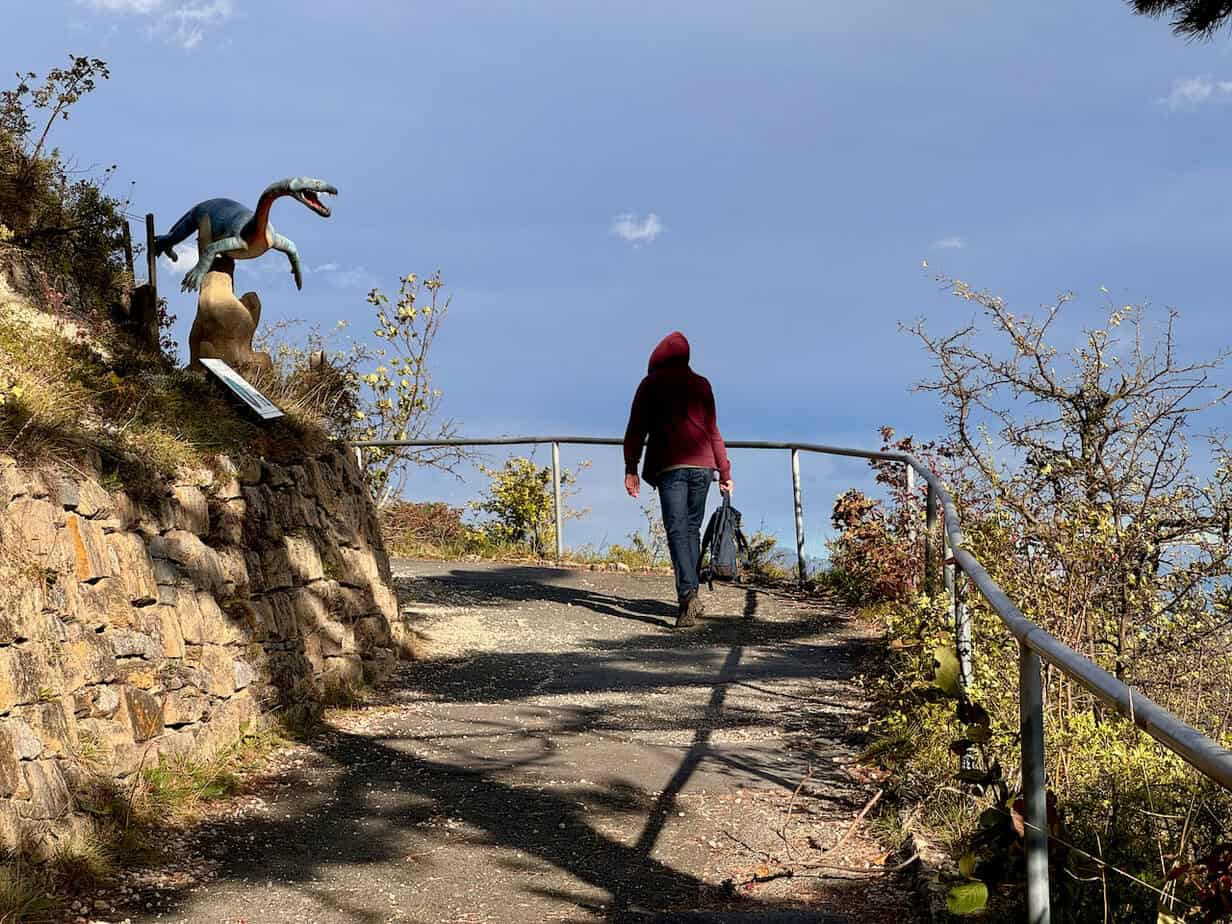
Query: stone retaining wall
[{"x": 131, "y": 632}]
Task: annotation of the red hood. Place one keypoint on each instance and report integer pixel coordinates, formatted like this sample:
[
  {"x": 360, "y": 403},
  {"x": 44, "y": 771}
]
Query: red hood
[{"x": 673, "y": 350}]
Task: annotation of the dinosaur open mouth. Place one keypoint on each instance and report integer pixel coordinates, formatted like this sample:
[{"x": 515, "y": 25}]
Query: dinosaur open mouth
[{"x": 313, "y": 201}]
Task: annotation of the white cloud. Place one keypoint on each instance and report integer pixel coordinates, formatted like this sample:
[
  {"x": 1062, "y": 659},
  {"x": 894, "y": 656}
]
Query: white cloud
[
  {"x": 950, "y": 243},
  {"x": 186, "y": 254},
  {"x": 1193, "y": 92},
  {"x": 628, "y": 227},
  {"x": 185, "y": 23},
  {"x": 189, "y": 22},
  {"x": 125, "y": 6}
]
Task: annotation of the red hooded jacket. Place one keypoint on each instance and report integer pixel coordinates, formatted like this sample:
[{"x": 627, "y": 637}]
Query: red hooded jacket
[{"x": 674, "y": 407}]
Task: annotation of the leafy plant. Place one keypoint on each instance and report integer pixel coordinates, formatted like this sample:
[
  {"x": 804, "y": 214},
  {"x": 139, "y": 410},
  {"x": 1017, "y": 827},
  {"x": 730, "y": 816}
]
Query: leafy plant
[{"x": 520, "y": 504}]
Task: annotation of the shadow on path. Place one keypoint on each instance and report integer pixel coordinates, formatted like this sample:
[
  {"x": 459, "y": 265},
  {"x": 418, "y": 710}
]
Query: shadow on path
[{"x": 367, "y": 817}]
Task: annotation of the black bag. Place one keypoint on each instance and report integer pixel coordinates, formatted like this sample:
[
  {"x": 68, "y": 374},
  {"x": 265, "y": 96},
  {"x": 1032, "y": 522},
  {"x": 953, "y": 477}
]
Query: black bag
[{"x": 722, "y": 544}]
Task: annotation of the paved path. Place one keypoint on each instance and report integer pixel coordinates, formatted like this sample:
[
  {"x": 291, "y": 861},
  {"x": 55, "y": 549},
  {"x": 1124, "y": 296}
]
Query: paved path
[{"x": 562, "y": 754}]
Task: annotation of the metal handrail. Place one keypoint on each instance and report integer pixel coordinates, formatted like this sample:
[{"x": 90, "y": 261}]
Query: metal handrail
[{"x": 1035, "y": 644}]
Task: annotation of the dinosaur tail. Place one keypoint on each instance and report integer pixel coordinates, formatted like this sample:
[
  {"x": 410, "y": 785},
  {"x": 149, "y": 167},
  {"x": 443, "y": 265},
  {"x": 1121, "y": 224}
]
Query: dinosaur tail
[{"x": 180, "y": 231}]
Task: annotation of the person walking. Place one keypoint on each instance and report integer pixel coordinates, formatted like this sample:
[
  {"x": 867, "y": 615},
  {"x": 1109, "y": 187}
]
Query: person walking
[{"x": 673, "y": 416}]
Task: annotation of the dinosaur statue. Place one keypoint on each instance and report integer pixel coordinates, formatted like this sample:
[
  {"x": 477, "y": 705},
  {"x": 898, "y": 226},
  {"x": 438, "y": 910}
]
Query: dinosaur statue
[{"x": 224, "y": 226}]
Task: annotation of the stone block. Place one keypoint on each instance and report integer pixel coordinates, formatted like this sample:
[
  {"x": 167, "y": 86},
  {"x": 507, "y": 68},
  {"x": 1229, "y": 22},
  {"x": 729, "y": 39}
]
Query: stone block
[
  {"x": 228, "y": 520},
  {"x": 85, "y": 546},
  {"x": 198, "y": 561},
  {"x": 32, "y": 524},
  {"x": 190, "y": 512},
  {"x": 53, "y": 726},
  {"x": 379, "y": 664},
  {"x": 344, "y": 671},
  {"x": 86, "y": 658},
  {"x": 336, "y": 638},
  {"x": 234, "y": 570},
  {"x": 248, "y": 470},
  {"x": 203, "y": 622},
  {"x": 93, "y": 501},
  {"x": 163, "y": 624},
  {"x": 276, "y": 567},
  {"x": 48, "y": 797},
  {"x": 23, "y": 599},
  {"x": 125, "y": 643},
  {"x": 217, "y": 673},
  {"x": 183, "y": 707},
  {"x": 304, "y": 560},
  {"x": 145, "y": 713},
  {"x": 372, "y": 632},
  {"x": 103, "y": 604},
  {"x": 97, "y": 702},
  {"x": 244, "y": 674},
  {"x": 24, "y": 676},
  {"x": 255, "y": 618},
  {"x": 285, "y": 623},
  {"x": 136, "y": 569}
]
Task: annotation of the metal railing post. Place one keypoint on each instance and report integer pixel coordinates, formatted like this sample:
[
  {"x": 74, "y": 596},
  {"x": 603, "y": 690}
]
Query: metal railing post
[
  {"x": 1034, "y": 791},
  {"x": 962, "y": 631},
  {"x": 912, "y": 526},
  {"x": 560, "y": 540},
  {"x": 799, "y": 506},
  {"x": 930, "y": 533}
]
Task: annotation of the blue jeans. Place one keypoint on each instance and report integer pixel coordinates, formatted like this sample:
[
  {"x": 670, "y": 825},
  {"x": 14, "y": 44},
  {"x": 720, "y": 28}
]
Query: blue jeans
[{"x": 682, "y": 493}]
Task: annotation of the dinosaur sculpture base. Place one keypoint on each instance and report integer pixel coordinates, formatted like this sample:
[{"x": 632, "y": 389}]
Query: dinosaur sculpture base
[{"x": 224, "y": 325}]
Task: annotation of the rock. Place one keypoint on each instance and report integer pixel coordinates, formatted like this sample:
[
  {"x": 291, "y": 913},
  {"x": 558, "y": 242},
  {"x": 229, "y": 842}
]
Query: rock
[
  {"x": 183, "y": 707},
  {"x": 24, "y": 675},
  {"x": 217, "y": 675},
  {"x": 126, "y": 643},
  {"x": 54, "y": 728},
  {"x": 31, "y": 524},
  {"x": 48, "y": 795},
  {"x": 97, "y": 702},
  {"x": 304, "y": 560},
  {"x": 248, "y": 470},
  {"x": 135, "y": 567},
  {"x": 103, "y": 604},
  {"x": 203, "y": 622},
  {"x": 86, "y": 658},
  {"x": 196, "y": 559},
  {"x": 145, "y": 713},
  {"x": 163, "y": 624},
  {"x": 84, "y": 544},
  {"x": 372, "y": 632},
  {"x": 228, "y": 521},
  {"x": 93, "y": 502},
  {"x": 244, "y": 674},
  {"x": 22, "y": 740},
  {"x": 276, "y": 566},
  {"x": 189, "y": 510},
  {"x": 344, "y": 672},
  {"x": 336, "y": 638}
]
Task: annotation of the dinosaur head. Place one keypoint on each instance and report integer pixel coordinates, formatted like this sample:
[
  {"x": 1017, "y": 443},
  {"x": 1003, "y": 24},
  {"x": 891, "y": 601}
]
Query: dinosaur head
[{"x": 307, "y": 191}]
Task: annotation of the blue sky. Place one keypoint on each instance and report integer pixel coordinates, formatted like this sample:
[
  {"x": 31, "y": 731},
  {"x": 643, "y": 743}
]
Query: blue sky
[{"x": 591, "y": 175}]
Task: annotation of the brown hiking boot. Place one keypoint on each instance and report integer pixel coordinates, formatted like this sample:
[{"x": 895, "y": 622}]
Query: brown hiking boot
[{"x": 690, "y": 609}]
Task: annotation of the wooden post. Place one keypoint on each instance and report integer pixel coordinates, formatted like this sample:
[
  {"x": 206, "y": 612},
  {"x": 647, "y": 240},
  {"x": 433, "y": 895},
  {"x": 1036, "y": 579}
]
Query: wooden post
[
  {"x": 128, "y": 252},
  {"x": 151, "y": 258}
]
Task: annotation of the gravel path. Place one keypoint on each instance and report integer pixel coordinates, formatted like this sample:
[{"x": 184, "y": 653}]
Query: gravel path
[{"x": 563, "y": 754}]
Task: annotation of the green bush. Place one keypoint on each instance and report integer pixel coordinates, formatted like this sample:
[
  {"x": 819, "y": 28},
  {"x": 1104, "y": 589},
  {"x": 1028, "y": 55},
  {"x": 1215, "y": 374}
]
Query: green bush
[{"x": 1072, "y": 477}]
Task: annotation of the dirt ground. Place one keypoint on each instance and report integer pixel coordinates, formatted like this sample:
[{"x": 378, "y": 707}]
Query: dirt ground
[{"x": 563, "y": 754}]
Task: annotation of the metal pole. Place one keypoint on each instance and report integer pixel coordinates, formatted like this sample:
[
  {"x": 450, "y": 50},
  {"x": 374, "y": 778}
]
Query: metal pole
[
  {"x": 560, "y": 544},
  {"x": 798, "y": 500},
  {"x": 151, "y": 258},
  {"x": 962, "y": 631},
  {"x": 910, "y": 508},
  {"x": 930, "y": 531},
  {"x": 1034, "y": 793}
]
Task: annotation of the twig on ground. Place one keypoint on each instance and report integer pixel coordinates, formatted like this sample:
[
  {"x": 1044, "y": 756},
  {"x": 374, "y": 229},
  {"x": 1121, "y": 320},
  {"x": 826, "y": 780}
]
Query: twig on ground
[{"x": 790, "y": 805}]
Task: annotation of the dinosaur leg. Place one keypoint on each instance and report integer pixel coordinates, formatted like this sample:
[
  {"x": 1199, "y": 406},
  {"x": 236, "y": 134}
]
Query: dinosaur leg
[
  {"x": 180, "y": 231},
  {"x": 192, "y": 281},
  {"x": 287, "y": 246}
]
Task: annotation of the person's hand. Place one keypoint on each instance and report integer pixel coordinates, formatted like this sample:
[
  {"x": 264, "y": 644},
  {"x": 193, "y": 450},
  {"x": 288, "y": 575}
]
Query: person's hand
[
  {"x": 633, "y": 485},
  {"x": 726, "y": 487}
]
